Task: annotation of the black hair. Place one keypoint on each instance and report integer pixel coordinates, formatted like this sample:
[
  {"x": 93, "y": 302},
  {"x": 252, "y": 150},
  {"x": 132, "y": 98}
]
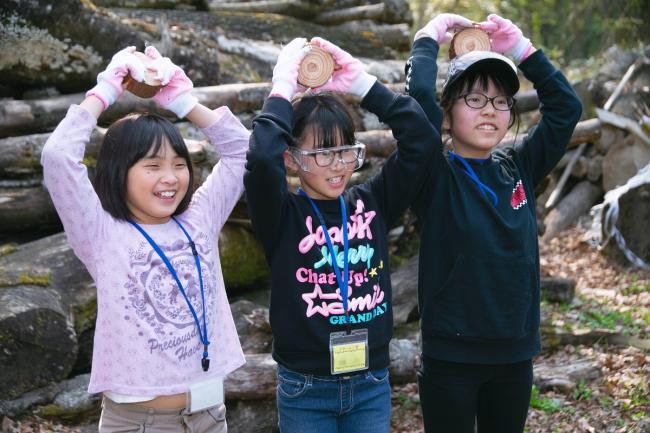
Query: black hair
[
  {"x": 128, "y": 140},
  {"x": 480, "y": 74},
  {"x": 326, "y": 116}
]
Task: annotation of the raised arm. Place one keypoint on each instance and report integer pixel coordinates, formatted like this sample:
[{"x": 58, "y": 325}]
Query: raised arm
[
  {"x": 403, "y": 174},
  {"x": 265, "y": 177},
  {"x": 64, "y": 174},
  {"x": 216, "y": 198},
  {"x": 560, "y": 107}
]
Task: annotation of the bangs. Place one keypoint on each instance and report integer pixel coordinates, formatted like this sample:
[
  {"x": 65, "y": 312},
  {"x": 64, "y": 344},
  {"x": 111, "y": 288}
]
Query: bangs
[{"x": 326, "y": 117}]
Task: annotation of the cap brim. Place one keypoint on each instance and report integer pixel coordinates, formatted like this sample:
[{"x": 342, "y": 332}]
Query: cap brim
[{"x": 488, "y": 61}]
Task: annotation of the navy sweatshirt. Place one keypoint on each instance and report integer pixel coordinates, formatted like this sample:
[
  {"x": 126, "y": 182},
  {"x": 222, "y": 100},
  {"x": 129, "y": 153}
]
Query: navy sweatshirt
[
  {"x": 305, "y": 306},
  {"x": 478, "y": 288}
]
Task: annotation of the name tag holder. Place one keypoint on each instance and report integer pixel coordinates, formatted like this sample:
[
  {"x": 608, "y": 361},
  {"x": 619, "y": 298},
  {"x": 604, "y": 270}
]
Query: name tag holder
[
  {"x": 204, "y": 395},
  {"x": 349, "y": 351}
]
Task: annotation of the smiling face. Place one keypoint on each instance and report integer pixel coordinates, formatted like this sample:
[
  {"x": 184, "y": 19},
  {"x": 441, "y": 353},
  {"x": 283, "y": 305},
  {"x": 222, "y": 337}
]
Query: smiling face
[
  {"x": 476, "y": 131},
  {"x": 156, "y": 184},
  {"x": 321, "y": 183}
]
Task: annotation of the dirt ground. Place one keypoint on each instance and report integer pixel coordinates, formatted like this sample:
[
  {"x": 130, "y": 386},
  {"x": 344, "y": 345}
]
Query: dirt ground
[{"x": 609, "y": 297}]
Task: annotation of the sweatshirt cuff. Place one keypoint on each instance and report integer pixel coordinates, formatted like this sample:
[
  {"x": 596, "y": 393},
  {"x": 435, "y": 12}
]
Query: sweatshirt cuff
[
  {"x": 537, "y": 67},
  {"x": 378, "y": 99}
]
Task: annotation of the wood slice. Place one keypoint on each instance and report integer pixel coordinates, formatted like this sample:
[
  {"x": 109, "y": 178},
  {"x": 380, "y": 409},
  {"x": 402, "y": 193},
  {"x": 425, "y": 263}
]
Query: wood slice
[
  {"x": 150, "y": 86},
  {"x": 316, "y": 68},
  {"x": 470, "y": 39}
]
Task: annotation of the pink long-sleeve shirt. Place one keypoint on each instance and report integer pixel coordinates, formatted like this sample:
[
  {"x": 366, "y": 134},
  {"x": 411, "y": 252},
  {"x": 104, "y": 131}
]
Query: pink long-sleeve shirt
[{"x": 146, "y": 340}]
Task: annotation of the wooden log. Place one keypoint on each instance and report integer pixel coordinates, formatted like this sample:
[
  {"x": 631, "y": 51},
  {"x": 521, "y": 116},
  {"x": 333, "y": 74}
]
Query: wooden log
[
  {"x": 292, "y": 8},
  {"x": 553, "y": 339},
  {"x": 581, "y": 198},
  {"x": 389, "y": 11},
  {"x": 585, "y": 131},
  {"x": 149, "y": 4},
  {"x": 563, "y": 378}
]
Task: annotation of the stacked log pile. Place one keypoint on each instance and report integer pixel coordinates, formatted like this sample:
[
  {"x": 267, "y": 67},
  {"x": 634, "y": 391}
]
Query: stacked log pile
[{"x": 228, "y": 49}]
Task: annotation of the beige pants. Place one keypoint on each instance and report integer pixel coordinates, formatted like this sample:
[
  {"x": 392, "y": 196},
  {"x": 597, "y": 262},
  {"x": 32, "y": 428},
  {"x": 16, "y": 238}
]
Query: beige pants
[{"x": 128, "y": 417}]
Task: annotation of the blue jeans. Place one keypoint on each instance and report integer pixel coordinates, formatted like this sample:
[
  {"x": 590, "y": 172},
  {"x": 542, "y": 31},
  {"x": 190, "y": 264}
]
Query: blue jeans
[{"x": 333, "y": 404}]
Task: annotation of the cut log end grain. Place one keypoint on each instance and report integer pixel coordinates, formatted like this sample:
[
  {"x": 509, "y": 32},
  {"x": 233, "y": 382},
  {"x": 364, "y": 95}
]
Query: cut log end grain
[
  {"x": 470, "y": 39},
  {"x": 147, "y": 88},
  {"x": 316, "y": 68}
]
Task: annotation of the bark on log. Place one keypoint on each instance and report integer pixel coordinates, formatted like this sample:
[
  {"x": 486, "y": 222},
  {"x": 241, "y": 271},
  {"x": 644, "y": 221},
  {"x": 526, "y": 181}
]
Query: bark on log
[
  {"x": 584, "y": 195},
  {"x": 23, "y": 209},
  {"x": 585, "y": 131},
  {"x": 563, "y": 378},
  {"x": 388, "y": 11},
  {"x": 19, "y": 117},
  {"x": 292, "y": 8}
]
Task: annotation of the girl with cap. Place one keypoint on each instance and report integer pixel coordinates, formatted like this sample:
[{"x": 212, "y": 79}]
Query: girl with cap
[
  {"x": 479, "y": 281},
  {"x": 327, "y": 246}
]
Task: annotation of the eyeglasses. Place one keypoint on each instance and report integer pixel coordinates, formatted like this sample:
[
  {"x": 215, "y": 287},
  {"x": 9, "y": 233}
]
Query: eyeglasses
[
  {"x": 479, "y": 100},
  {"x": 351, "y": 157}
]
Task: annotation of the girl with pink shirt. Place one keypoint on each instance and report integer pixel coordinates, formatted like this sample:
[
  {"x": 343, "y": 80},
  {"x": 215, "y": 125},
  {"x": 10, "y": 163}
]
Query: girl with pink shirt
[{"x": 164, "y": 337}]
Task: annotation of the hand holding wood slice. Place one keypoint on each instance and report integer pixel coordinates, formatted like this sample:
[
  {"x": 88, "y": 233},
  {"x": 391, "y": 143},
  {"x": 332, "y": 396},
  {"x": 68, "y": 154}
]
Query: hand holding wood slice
[
  {"x": 316, "y": 68},
  {"x": 147, "y": 88},
  {"x": 469, "y": 39}
]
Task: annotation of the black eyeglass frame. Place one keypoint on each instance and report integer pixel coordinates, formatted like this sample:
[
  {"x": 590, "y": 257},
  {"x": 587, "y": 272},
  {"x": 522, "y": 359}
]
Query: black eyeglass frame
[{"x": 509, "y": 99}]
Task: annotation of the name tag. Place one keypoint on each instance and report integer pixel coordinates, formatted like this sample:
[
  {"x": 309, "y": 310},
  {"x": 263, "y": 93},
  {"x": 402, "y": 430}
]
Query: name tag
[
  {"x": 349, "y": 352},
  {"x": 204, "y": 395}
]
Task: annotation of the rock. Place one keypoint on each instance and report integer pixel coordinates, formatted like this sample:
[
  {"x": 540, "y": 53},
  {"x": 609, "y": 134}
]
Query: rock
[
  {"x": 242, "y": 258},
  {"x": 252, "y": 416},
  {"x": 404, "y": 282},
  {"x": 253, "y": 327},
  {"x": 623, "y": 160},
  {"x": 37, "y": 342},
  {"x": 633, "y": 217},
  {"x": 558, "y": 289}
]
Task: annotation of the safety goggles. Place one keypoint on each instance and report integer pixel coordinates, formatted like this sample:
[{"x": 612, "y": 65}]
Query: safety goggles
[{"x": 351, "y": 157}]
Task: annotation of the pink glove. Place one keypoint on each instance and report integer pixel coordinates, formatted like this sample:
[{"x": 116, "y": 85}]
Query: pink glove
[
  {"x": 176, "y": 95},
  {"x": 109, "y": 82},
  {"x": 349, "y": 75},
  {"x": 439, "y": 27},
  {"x": 507, "y": 38},
  {"x": 285, "y": 72}
]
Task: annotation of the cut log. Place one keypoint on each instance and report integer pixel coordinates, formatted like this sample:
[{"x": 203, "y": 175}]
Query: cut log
[
  {"x": 585, "y": 131},
  {"x": 581, "y": 198}
]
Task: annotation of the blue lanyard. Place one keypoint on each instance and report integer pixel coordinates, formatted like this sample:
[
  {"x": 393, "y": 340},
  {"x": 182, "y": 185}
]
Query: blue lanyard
[
  {"x": 342, "y": 280},
  {"x": 203, "y": 336},
  {"x": 469, "y": 171}
]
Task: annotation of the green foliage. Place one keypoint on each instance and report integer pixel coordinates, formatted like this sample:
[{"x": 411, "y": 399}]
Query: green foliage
[
  {"x": 544, "y": 404},
  {"x": 566, "y": 30},
  {"x": 582, "y": 392}
]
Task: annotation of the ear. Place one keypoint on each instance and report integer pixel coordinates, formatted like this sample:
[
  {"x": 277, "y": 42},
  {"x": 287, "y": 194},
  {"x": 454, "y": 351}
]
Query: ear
[
  {"x": 446, "y": 124},
  {"x": 290, "y": 163}
]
